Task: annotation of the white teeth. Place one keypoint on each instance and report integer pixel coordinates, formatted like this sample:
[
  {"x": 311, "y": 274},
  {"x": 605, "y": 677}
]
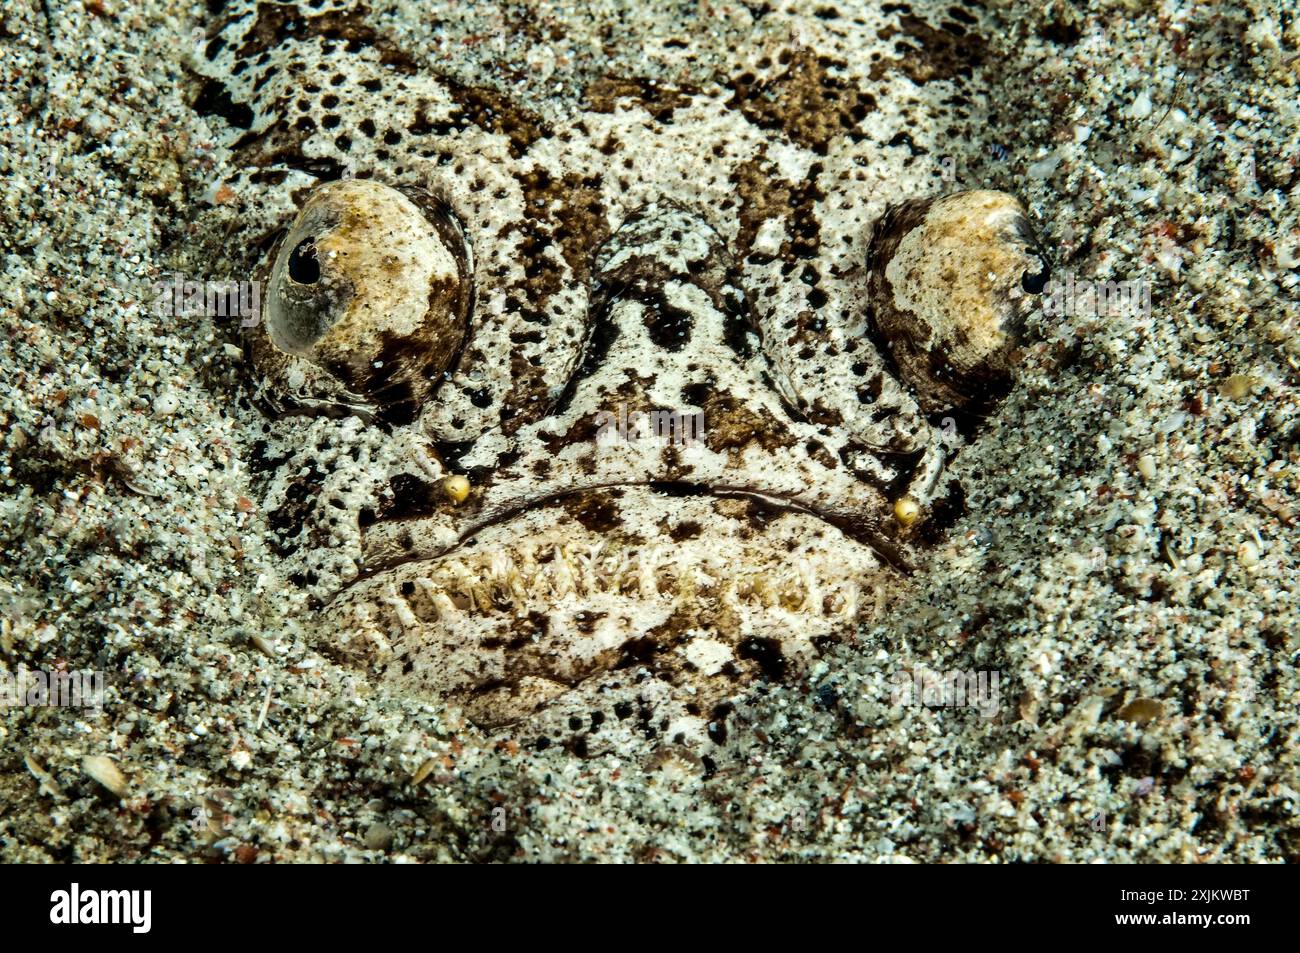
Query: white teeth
[
  {"x": 808, "y": 583},
  {"x": 462, "y": 581},
  {"x": 507, "y": 581},
  {"x": 561, "y": 575},
  {"x": 367, "y": 628},
  {"x": 402, "y": 609},
  {"x": 585, "y": 577},
  {"x": 501, "y": 568},
  {"x": 445, "y": 608},
  {"x": 431, "y": 594}
]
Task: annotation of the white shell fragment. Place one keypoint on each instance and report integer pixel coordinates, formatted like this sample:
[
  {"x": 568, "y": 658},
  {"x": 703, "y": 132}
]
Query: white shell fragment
[{"x": 104, "y": 770}]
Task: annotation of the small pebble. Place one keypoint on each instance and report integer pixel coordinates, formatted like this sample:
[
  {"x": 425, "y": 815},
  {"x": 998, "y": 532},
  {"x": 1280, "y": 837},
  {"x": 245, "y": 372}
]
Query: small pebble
[
  {"x": 379, "y": 836},
  {"x": 102, "y": 769},
  {"x": 263, "y": 645},
  {"x": 1140, "y": 711},
  {"x": 165, "y": 405},
  {"x": 1236, "y": 387}
]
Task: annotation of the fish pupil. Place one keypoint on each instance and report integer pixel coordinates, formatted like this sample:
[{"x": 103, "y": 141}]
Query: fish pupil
[
  {"x": 1034, "y": 284},
  {"x": 304, "y": 268}
]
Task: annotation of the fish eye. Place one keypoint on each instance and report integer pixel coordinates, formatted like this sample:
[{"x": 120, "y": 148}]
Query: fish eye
[
  {"x": 373, "y": 285},
  {"x": 955, "y": 349}
]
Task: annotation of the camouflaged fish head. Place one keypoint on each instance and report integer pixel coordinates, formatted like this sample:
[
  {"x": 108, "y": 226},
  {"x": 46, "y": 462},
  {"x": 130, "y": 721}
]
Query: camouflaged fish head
[{"x": 598, "y": 393}]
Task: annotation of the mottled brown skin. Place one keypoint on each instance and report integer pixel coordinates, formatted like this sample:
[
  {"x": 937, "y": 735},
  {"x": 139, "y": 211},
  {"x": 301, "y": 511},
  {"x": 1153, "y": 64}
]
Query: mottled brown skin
[{"x": 699, "y": 249}]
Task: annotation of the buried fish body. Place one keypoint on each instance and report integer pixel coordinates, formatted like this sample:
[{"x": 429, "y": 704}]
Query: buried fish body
[{"x": 451, "y": 322}]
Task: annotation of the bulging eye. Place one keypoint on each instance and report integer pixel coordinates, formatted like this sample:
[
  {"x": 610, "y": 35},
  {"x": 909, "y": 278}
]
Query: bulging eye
[
  {"x": 372, "y": 285},
  {"x": 948, "y": 280}
]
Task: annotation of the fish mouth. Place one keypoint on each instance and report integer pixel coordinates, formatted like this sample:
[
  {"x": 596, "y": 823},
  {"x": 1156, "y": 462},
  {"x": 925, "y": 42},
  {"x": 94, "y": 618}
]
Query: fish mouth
[
  {"x": 394, "y": 544},
  {"x": 705, "y": 589}
]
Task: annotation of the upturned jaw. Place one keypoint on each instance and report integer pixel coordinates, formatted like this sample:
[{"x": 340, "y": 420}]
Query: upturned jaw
[
  {"x": 417, "y": 519},
  {"x": 706, "y": 593}
]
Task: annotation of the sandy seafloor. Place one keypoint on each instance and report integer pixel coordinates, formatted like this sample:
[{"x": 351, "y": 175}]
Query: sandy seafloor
[{"x": 1131, "y": 535}]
